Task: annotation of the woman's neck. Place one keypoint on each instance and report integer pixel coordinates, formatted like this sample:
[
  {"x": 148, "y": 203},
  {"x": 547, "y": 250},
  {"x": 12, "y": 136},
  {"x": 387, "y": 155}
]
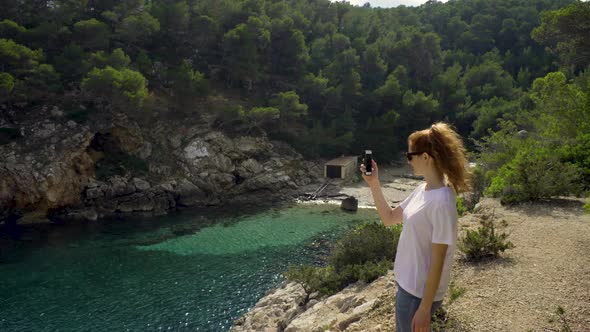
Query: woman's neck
[{"x": 434, "y": 181}]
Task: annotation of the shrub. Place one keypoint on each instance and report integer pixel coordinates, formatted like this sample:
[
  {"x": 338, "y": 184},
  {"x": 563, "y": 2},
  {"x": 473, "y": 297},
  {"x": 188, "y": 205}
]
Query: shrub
[
  {"x": 121, "y": 88},
  {"x": 364, "y": 254},
  {"x": 370, "y": 242},
  {"x": 461, "y": 209},
  {"x": 565, "y": 327},
  {"x": 455, "y": 292},
  {"x": 535, "y": 174},
  {"x": 479, "y": 186},
  {"x": 587, "y": 207},
  {"x": 484, "y": 242}
]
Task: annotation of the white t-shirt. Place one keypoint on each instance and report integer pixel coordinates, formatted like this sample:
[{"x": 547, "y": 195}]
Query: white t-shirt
[{"x": 428, "y": 217}]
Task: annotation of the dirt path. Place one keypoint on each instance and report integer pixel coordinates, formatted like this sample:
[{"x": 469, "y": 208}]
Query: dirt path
[{"x": 549, "y": 266}]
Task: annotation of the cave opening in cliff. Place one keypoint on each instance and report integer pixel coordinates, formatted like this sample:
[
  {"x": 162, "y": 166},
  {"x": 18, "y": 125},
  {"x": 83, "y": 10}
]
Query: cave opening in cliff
[{"x": 110, "y": 160}]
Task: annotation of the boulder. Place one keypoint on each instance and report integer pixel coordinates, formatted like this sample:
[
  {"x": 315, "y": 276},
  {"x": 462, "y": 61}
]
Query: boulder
[
  {"x": 140, "y": 184},
  {"x": 188, "y": 193},
  {"x": 250, "y": 167},
  {"x": 94, "y": 193},
  {"x": 196, "y": 149},
  {"x": 136, "y": 202},
  {"x": 274, "y": 311},
  {"x": 349, "y": 204}
]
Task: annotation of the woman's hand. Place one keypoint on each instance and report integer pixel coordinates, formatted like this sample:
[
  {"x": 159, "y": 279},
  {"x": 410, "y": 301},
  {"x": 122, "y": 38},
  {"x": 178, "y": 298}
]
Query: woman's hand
[
  {"x": 372, "y": 179},
  {"x": 421, "y": 320}
]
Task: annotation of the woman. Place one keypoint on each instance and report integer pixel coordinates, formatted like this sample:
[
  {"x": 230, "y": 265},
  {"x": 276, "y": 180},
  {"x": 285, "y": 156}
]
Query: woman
[{"x": 427, "y": 243}]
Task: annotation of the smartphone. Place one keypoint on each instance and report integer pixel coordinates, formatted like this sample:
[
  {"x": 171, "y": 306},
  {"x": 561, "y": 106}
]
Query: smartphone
[{"x": 368, "y": 162}]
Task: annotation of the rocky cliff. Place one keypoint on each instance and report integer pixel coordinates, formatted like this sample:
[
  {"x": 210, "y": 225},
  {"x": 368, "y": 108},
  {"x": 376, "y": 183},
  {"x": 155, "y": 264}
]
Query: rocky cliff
[
  {"x": 117, "y": 163},
  {"x": 289, "y": 308}
]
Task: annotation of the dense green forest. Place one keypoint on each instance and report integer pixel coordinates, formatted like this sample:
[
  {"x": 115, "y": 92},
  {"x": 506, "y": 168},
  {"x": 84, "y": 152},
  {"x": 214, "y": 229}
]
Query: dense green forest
[{"x": 328, "y": 77}]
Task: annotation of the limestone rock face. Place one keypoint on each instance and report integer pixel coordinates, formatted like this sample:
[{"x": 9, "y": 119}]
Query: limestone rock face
[
  {"x": 340, "y": 312},
  {"x": 274, "y": 311},
  {"x": 57, "y": 166}
]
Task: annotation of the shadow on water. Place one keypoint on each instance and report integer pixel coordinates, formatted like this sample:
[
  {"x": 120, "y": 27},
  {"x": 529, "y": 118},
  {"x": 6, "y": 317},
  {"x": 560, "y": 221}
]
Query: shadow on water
[{"x": 17, "y": 241}]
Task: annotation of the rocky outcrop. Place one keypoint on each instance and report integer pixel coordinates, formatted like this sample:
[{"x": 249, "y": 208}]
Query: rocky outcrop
[
  {"x": 275, "y": 310},
  {"x": 47, "y": 175},
  {"x": 55, "y": 167},
  {"x": 282, "y": 309}
]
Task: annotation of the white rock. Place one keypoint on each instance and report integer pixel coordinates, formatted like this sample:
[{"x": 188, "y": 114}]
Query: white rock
[{"x": 196, "y": 149}]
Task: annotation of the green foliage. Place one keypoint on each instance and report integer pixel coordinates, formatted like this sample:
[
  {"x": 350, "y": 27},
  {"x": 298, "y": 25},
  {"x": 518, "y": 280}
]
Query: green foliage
[
  {"x": 535, "y": 174},
  {"x": 291, "y": 110},
  {"x": 189, "y": 83},
  {"x": 243, "y": 51},
  {"x": 10, "y": 29},
  {"x": 484, "y": 243},
  {"x": 455, "y": 292},
  {"x": 369, "y": 77},
  {"x": 72, "y": 63},
  {"x": 313, "y": 89},
  {"x": 390, "y": 93},
  {"x": 6, "y": 84},
  {"x": 488, "y": 80},
  {"x": 139, "y": 28},
  {"x": 450, "y": 89},
  {"x": 365, "y": 254},
  {"x": 587, "y": 207},
  {"x": 377, "y": 135},
  {"x": 551, "y": 158},
  {"x": 44, "y": 79},
  {"x": 228, "y": 116},
  {"x": 92, "y": 34},
  {"x": 373, "y": 68},
  {"x": 263, "y": 117},
  {"x": 117, "y": 59},
  {"x": 418, "y": 109},
  {"x": 563, "y": 108},
  {"x": 121, "y": 88},
  {"x": 461, "y": 209},
  {"x": 566, "y": 33},
  {"x": 16, "y": 57},
  {"x": 487, "y": 113},
  {"x": 289, "y": 52},
  {"x": 369, "y": 242}
]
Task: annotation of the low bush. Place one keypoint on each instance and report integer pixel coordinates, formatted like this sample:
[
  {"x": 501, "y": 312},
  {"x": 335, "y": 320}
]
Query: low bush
[
  {"x": 364, "y": 254},
  {"x": 533, "y": 175},
  {"x": 484, "y": 243},
  {"x": 461, "y": 208}
]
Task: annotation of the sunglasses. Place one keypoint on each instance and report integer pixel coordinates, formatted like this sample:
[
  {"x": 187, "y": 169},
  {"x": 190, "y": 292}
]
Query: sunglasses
[{"x": 410, "y": 154}]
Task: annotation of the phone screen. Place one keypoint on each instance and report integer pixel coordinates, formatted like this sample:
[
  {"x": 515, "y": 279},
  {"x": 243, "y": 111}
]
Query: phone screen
[{"x": 368, "y": 162}]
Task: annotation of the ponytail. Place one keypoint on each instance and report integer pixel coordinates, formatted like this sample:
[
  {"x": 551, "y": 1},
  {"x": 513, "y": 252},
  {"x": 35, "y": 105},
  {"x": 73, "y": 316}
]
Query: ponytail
[{"x": 446, "y": 148}]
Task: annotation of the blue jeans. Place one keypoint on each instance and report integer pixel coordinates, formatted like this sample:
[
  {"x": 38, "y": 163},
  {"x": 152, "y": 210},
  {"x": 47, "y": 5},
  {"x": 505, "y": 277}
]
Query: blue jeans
[{"x": 406, "y": 306}]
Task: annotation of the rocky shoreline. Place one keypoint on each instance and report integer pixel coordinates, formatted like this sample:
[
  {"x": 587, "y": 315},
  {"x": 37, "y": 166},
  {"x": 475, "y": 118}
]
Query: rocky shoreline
[
  {"x": 56, "y": 169},
  {"x": 289, "y": 308}
]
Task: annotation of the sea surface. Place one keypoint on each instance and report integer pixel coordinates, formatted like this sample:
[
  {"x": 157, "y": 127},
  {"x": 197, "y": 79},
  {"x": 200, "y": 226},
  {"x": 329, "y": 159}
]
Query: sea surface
[{"x": 195, "y": 270}]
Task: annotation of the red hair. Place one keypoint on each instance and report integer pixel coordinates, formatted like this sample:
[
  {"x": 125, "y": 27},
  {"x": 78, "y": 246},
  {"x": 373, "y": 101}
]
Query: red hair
[{"x": 446, "y": 148}]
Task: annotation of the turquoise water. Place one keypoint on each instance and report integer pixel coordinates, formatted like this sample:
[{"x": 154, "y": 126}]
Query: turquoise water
[{"x": 192, "y": 271}]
